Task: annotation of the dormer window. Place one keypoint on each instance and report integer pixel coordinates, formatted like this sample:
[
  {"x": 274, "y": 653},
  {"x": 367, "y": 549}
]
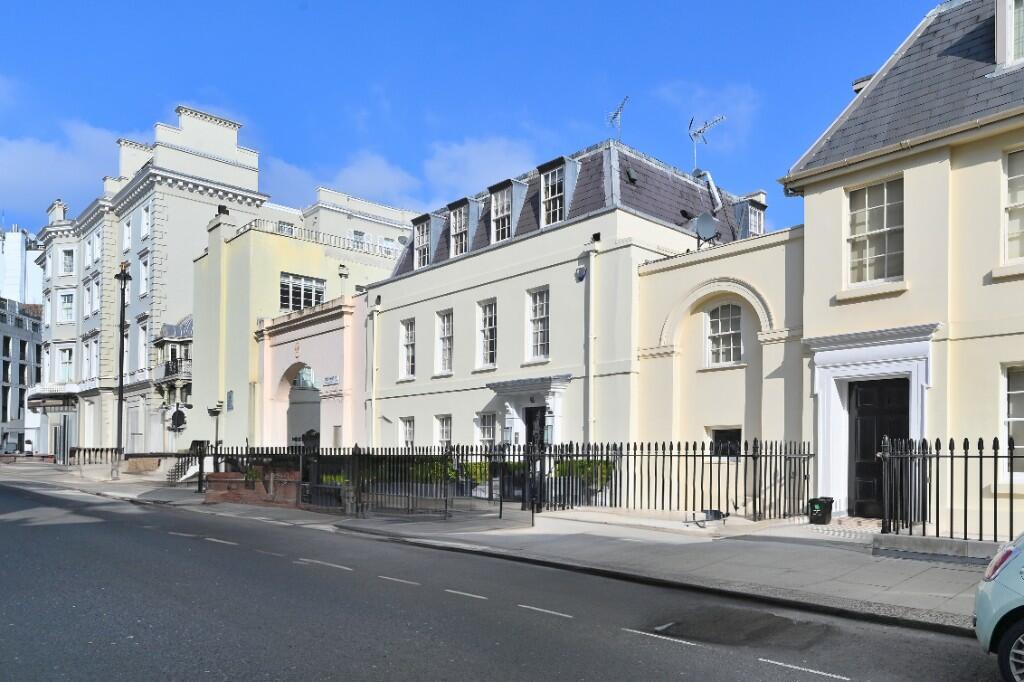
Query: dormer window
[
  {"x": 459, "y": 222},
  {"x": 501, "y": 215},
  {"x": 553, "y": 193},
  {"x": 1018, "y": 29},
  {"x": 756, "y": 221},
  {"x": 421, "y": 244}
]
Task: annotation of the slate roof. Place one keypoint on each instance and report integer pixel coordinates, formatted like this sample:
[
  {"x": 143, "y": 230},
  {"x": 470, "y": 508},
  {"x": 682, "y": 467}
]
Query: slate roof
[
  {"x": 943, "y": 75},
  {"x": 181, "y": 330},
  {"x": 660, "y": 192}
]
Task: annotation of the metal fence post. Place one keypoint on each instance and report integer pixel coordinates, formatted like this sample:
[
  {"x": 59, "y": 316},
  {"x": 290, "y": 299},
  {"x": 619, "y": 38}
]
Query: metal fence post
[{"x": 886, "y": 483}]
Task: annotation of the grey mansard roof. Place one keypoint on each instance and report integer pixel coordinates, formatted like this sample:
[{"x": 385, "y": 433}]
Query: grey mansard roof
[
  {"x": 942, "y": 76},
  {"x": 658, "y": 192}
]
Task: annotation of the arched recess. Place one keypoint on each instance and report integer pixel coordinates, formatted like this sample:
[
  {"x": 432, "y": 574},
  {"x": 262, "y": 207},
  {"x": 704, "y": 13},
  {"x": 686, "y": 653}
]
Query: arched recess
[
  {"x": 292, "y": 416},
  {"x": 714, "y": 287}
]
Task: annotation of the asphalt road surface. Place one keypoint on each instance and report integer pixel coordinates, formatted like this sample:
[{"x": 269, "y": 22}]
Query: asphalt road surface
[{"x": 94, "y": 588}]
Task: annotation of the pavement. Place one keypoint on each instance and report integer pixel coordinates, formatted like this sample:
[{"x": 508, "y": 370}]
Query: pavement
[
  {"x": 828, "y": 569},
  {"x": 96, "y": 587}
]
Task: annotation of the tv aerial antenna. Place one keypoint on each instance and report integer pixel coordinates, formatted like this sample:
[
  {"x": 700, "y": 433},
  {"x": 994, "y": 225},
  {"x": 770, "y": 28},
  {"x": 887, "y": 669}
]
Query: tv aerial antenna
[
  {"x": 615, "y": 118},
  {"x": 698, "y": 134}
]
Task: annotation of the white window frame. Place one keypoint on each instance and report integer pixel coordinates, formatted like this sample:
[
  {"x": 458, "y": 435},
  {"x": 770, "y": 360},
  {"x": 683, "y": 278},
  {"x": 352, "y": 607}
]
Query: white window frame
[
  {"x": 1011, "y": 208},
  {"x": 47, "y": 310},
  {"x": 487, "y": 429},
  {"x": 443, "y": 426},
  {"x": 538, "y": 314},
  {"x": 755, "y": 221},
  {"x": 444, "y": 361},
  {"x": 143, "y": 277},
  {"x": 552, "y": 205},
  {"x": 70, "y": 316},
  {"x": 487, "y": 334},
  {"x": 95, "y": 357},
  {"x": 126, "y": 234},
  {"x": 310, "y": 291},
  {"x": 1008, "y": 421},
  {"x": 97, "y": 249},
  {"x": 713, "y": 332},
  {"x": 408, "y": 435},
  {"x": 88, "y": 251},
  {"x": 887, "y": 230},
  {"x": 64, "y": 268},
  {"x": 501, "y": 215},
  {"x": 421, "y": 245},
  {"x": 48, "y": 265},
  {"x": 1015, "y": 33},
  {"x": 142, "y": 346},
  {"x": 87, "y": 305},
  {"x": 459, "y": 233},
  {"x": 407, "y": 348},
  {"x": 96, "y": 295},
  {"x": 146, "y": 222},
  {"x": 65, "y": 369}
]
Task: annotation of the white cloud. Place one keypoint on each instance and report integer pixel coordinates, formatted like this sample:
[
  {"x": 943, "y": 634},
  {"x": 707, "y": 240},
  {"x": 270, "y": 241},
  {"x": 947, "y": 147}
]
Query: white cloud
[
  {"x": 455, "y": 169},
  {"x": 739, "y": 103},
  {"x": 34, "y": 172},
  {"x": 452, "y": 170},
  {"x": 367, "y": 175}
]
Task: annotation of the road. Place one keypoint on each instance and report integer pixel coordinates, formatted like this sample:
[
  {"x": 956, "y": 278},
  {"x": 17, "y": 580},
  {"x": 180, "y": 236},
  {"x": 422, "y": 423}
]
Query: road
[{"x": 95, "y": 588}]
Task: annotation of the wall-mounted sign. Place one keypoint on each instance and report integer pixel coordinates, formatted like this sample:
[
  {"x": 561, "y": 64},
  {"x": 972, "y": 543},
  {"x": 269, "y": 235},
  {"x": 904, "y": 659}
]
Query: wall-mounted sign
[{"x": 331, "y": 380}]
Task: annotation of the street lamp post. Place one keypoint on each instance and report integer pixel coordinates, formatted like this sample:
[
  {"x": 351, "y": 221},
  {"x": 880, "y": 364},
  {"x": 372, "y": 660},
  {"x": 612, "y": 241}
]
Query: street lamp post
[{"x": 123, "y": 277}]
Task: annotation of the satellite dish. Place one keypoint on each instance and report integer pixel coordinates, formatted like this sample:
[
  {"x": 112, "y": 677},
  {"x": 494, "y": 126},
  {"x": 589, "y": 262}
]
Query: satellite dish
[
  {"x": 403, "y": 240},
  {"x": 706, "y": 228}
]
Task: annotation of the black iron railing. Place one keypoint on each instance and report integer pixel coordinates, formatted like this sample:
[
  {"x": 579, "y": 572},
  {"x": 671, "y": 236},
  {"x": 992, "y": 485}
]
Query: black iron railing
[
  {"x": 757, "y": 481},
  {"x": 178, "y": 366},
  {"x": 963, "y": 490}
]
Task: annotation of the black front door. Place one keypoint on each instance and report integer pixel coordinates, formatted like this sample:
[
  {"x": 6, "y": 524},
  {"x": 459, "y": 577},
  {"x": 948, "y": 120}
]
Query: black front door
[
  {"x": 877, "y": 408},
  {"x": 535, "y": 422}
]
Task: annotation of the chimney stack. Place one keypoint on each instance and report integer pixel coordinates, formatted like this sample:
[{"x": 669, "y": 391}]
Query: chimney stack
[{"x": 57, "y": 212}]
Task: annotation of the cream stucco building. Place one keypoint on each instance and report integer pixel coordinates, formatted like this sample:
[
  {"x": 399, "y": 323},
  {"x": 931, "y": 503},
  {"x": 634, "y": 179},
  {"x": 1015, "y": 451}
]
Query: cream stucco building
[{"x": 274, "y": 340}]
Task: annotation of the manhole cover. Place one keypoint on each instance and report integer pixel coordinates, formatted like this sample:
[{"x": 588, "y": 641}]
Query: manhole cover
[{"x": 737, "y": 627}]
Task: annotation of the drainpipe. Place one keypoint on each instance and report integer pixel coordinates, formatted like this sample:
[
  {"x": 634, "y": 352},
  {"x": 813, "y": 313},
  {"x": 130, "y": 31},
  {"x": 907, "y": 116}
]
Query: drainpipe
[
  {"x": 371, "y": 378},
  {"x": 589, "y": 340}
]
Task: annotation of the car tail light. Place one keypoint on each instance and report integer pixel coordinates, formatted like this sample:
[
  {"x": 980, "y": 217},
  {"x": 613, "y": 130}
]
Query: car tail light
[{"x": 1000, "y": 560}]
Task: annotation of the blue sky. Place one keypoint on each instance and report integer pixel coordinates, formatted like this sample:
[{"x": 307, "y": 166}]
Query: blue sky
[{"x": 419, "y": 103}]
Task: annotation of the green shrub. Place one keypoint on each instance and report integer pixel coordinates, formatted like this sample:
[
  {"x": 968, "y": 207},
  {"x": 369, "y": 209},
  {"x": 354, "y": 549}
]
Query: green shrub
[{"x": 596, "y": 472}]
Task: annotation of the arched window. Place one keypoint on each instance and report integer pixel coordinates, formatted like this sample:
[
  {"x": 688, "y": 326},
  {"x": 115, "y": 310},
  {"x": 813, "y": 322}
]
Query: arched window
[{"x": 724, "y": 345}]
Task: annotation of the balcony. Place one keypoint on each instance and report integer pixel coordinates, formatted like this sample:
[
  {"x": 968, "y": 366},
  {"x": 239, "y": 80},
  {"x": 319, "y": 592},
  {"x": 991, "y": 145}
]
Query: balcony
[
  {"x": 179, "y": 369},
  {"x": 318, "y": 237}
]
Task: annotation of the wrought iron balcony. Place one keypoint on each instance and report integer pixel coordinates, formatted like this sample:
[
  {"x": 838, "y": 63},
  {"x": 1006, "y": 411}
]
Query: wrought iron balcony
[{"x": 179, "y": 368}]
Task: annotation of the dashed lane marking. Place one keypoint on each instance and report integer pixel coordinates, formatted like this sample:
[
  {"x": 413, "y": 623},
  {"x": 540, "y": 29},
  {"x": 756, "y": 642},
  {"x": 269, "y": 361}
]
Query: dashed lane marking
[
  {"x": 325, "y": 563},
  {"x": 537, "y": 608},
  {"x": 804, "y": 670},
  {"x": 466, "y": 594},
  {"x": 397, "y": 580},
  {"x": 181, "y": 535},
  {"x": 667, "y": 639},
  {"x": 263, "y": 551},
  {"x": 220, "y": 542}
]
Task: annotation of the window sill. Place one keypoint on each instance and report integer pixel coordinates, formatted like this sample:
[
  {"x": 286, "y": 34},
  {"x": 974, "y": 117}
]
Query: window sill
[
  {"x": 484, "y": 369},
  {"x": 441, "y": 375},
  {"x": 405, "y": 380},
  {"x": 1007, "y": 271},
  {"x": 862, "y": 293},
  {"x": 537, "y": 361},
  {"x": 721, "y": 368}
]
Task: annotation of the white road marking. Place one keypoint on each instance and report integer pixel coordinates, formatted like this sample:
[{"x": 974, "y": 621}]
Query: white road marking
[
  {"x": 667, "y": 639},
  {"x": 466, "y": 594},
  {"x": 220, "y": 542},
  {"x": 181, "y": 535},
  {"x": 263, "y": 551},
  {"x": 804, "y": 670},
  {"x": 325, "y": 563},
  {"x": 631, "y": 540},
  {"x": 397, "y": 580},
  {"x": 553, "y": 613}
]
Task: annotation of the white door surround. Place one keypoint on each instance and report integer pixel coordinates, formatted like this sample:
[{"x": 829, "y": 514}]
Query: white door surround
[
  {"x": 519, "y": 393},
  {"x": 902, "y": 352}
]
